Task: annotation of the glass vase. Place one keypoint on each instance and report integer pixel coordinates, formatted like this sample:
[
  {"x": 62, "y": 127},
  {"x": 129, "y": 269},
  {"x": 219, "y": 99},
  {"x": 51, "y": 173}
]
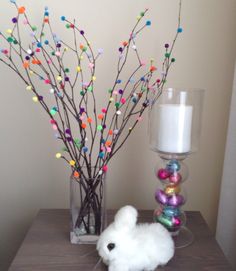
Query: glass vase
[
  {"x": 88, "y": 208},
  {"x": 174, "y": 129}
]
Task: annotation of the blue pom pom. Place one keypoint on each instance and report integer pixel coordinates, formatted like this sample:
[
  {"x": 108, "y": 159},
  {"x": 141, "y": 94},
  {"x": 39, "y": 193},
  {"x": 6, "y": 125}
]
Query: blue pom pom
[
  {"x": 13, "y": 1},
  {"x": 63, "y": 18},
  {"x": 103, "y": 140},
  {"x": 39, "y": 44},
  {"x": 46, "y": 8},
  {"x": 84, "y": 149},
  {"x": 134, "y": 100},
  {"x": 142, "y": 79},
  {"x": 46, "y": 42},
  {"x": 101, "y": 155},
  {"x": 46, "y": 13},
  {"x": 148, "y": 23},
  {"x": 180, "y": 30},
  {"x": 118, "y": 81}
]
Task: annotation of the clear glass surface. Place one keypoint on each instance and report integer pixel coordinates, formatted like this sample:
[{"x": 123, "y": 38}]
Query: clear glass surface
[
  {"x": 88, "y": 208},
  {"x": 175, "y": 121}
]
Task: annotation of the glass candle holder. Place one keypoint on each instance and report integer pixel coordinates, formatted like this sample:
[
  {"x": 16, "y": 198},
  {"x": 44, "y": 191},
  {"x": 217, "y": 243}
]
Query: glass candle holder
[{"x": 174, "y": 129}]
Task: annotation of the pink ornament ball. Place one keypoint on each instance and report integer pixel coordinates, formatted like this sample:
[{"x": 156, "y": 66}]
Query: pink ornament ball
[
  {"x": 163, "y": 174},
  {"x": 176, "y": 221},
  {"x": 175, "y": 178}
]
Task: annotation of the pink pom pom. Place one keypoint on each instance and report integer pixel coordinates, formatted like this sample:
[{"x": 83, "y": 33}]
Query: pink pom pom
[{"x": 105, "y": 168}]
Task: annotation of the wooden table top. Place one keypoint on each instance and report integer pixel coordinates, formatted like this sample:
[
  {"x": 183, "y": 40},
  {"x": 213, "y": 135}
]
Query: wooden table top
[{"x": 47, "y": 247}]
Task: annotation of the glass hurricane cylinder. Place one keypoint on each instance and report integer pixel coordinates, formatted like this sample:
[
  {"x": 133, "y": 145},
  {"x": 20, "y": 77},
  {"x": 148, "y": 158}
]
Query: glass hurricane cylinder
[
  {"x": 174, "y": 129},
  {"x": 88, "y": 208}
]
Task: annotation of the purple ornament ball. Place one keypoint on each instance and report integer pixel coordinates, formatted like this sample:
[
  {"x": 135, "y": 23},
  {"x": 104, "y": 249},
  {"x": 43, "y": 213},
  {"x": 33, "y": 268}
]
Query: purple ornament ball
[
  {"x": 161, "y": 197},
  {"x": 176, "y": 200},
  {"x": 163, "y": 174}
]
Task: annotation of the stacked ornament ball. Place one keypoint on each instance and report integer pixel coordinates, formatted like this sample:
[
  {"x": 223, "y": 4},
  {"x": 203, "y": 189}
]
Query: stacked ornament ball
[{"x": 170, "y": 198}]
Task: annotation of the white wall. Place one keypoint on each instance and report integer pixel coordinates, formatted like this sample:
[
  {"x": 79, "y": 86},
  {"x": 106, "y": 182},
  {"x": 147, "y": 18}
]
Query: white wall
[
  {"x": 31, "y": 178},
  {"x": 226, "y": 221}
]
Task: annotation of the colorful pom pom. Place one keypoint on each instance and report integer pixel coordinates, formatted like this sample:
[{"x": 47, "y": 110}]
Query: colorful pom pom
[
  {"x": 99, "y": 127},
  {"x": 58, "y": 155},
  {"x": 21, "y": 10},
  {"x": 76, "y": 174},
  {"x": 180, "y": 30},
  {"x": 105, "y": 168},
  {"x": 72, "y": 163},
  {"x": 14, "y": 20}
]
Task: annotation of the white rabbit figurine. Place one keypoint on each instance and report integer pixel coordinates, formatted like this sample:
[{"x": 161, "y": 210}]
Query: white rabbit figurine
[{"x": 127, "y": 246}]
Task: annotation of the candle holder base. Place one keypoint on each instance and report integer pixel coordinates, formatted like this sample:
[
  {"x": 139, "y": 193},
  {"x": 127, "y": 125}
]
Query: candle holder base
[{"x": 183, "y": 238}]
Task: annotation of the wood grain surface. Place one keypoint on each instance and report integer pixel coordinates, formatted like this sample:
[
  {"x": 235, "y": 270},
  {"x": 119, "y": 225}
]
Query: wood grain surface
[{"x": 47, "y": 247}]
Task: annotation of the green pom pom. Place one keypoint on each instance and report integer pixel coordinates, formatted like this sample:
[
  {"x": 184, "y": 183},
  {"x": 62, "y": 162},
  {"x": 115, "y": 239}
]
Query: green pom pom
[
  {"x": 67, "y": 26},
  {"x": 34, "y": 28},
  {"x": 167, "y": 55},
  {"x": 143, "y": 89},
  {"x": 142, "y": 14},
  {"x": 99, "y": 127},
  {"x": 117, "y": 105},
  {"x": 90, "y": 88},
  {"x": 10, "y": 39},
  {"x": 172, "y": 59},
  {"x": 53, "y": 53},
  {"x": 82, "y": 93},
  {"x": 77, "y": 142},
  {"x": 109, "y": 90},
  {"x": 66, "y": 70}
]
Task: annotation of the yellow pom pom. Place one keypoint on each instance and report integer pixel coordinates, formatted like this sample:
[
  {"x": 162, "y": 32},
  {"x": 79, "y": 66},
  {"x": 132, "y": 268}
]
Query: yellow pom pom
[
  {"x": 58, "y": 155},
  {"x": 139, "y": 18},
  {"x": 94, "y": 78},
  {"x": 29, "y": 88},
  {"x": 78, "y": 69},
  {"x": 111, "y": 99},
  {"x": 59, "y": 78},
  {"x": 9, "y": 31},
  {"x": 72, "y": 163},
  {"x": 35, "y": 99},
  {"x": 66, "y": 49},
  {"x": 31, "y": 72},
  {"x": 81, "y": 57}
]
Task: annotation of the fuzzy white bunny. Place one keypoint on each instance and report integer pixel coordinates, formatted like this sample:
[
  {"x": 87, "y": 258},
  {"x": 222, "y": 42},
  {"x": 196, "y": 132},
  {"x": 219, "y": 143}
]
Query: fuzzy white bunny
[{"x": 127, "y": 246}]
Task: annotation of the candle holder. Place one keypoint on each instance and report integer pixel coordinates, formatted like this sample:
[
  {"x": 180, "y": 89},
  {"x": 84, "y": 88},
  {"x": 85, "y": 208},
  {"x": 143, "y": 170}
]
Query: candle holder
[{"x": 174, "y": 128}]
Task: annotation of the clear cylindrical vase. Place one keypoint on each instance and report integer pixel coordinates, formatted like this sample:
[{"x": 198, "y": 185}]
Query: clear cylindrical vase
[
  {"x": 88, "y": 208},
  {"x": 174, "y": 129}
]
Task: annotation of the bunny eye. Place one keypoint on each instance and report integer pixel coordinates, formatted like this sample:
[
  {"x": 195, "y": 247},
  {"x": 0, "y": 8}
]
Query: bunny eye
[{"x": 111, "y": 246}]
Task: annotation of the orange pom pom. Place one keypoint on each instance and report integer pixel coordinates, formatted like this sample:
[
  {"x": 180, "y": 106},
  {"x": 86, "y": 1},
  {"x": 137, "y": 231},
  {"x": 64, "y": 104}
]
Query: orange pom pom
[
  {"x": 83, "y": 125},
  {"x": 100, "y": 116},
  {"x": 110, "y": 132},
  {"x": 108, "y": 143},
  {"x": 26, "y": 64},
  {"x": 89, "y": 120},
  {"x": 125, "y": 43},
  {"x": 46, "y": 20},
  {"x": 153, "y": 68},
  {"x": 21, "y": 10},
  {"x": 76, "y": 174}
]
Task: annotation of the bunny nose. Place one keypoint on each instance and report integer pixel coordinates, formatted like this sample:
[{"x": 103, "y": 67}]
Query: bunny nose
[{"x": 111, "y": 246}]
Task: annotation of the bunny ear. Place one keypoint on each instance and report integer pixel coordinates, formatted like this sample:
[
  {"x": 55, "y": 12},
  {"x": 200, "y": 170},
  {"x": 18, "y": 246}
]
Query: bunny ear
[{"x": 126, "y": 217}]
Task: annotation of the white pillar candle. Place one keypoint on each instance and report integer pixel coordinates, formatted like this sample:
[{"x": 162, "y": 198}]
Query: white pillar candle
[{"x": 174, "y": 128}]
